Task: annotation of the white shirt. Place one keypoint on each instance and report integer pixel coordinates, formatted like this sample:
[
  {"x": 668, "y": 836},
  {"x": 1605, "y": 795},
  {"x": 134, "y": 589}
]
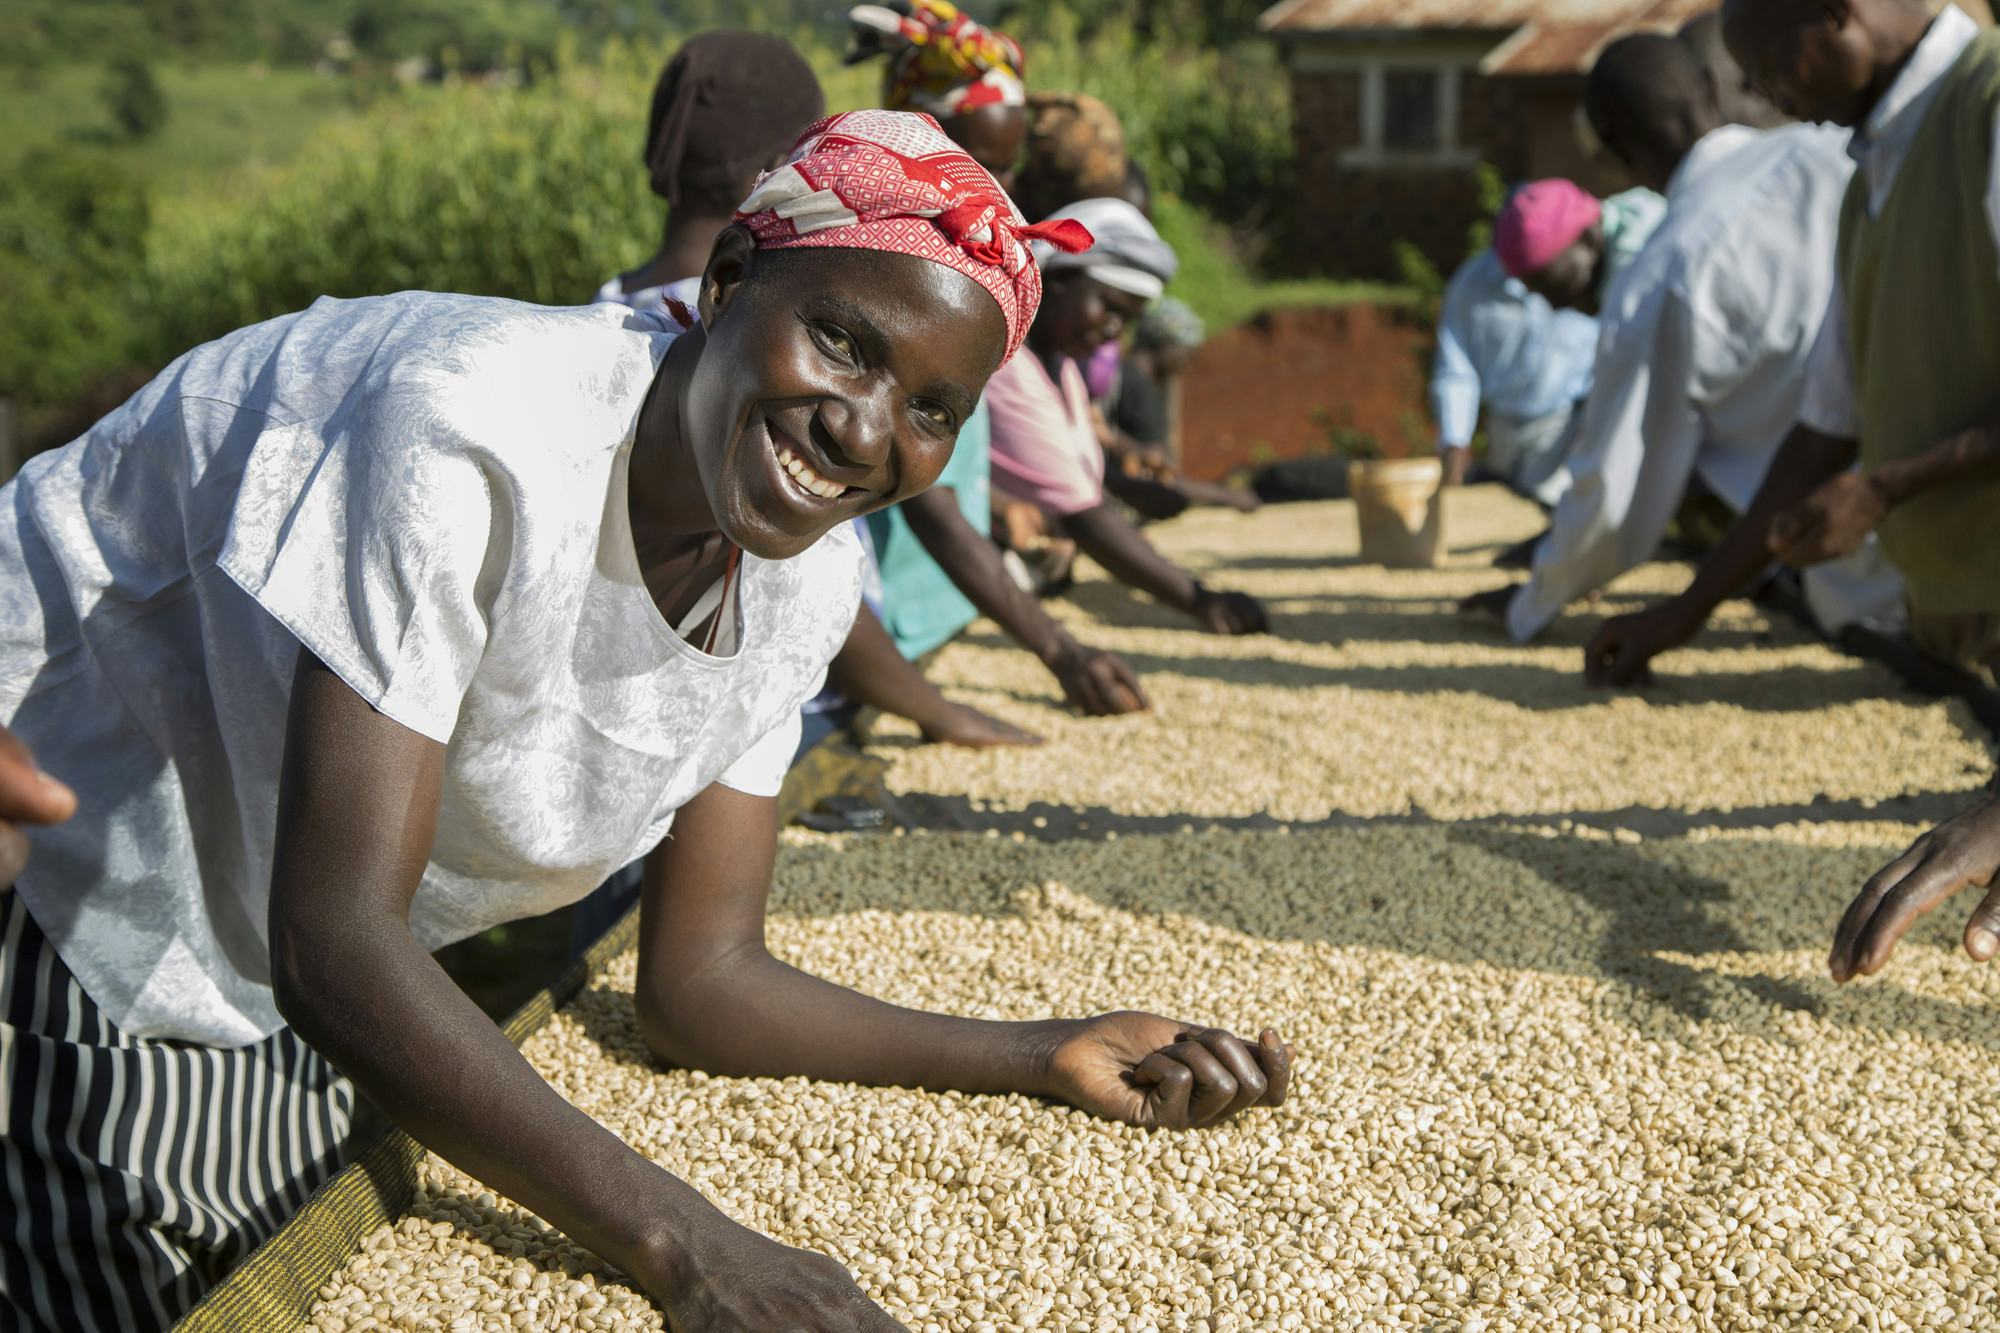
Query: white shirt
[
  {"x": 1701, "y": 356},
  {"x": 1880, "y": 147},
  {"x": 429, "y": 493},
  {"x": 1503, "y": 345},
  {"x": 685, "y": 290}
]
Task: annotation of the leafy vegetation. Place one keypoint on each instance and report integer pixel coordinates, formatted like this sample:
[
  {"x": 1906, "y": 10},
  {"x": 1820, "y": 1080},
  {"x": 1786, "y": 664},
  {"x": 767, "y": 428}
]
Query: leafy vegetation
[{"x": 132, "y": 94}]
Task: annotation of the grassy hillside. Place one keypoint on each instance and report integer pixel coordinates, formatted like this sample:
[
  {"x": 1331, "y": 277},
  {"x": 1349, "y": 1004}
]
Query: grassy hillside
[{"x": 221, "y": 119}]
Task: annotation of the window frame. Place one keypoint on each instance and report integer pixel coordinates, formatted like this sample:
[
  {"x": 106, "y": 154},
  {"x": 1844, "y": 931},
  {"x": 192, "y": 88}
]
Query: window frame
[{"x": 1448, "y": 65}]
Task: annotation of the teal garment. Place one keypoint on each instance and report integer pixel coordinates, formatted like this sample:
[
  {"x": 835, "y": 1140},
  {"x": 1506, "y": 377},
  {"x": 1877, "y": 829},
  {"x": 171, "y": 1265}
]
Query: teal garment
[
  {"x": 1630, "y": 219},
  {"x": 921, "y": 607}
]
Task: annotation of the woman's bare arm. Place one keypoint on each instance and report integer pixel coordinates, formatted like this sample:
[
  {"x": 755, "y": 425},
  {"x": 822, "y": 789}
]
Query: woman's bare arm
[
  {"x": 357, "y": 811},
  {"x": 712, "y": 997}
]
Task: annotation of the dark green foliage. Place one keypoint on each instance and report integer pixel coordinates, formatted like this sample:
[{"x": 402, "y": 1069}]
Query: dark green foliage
[
  {"x": 458, "y": 34},
  {"x": 1415, "y": 270},
  {"x": 533, "y": 193},
  {"x": 1211, "y": 126},
  {"x": 72, "y": 271},
  {"x": 132, "y": 95},
  {"x": 1195, "y": 23}
]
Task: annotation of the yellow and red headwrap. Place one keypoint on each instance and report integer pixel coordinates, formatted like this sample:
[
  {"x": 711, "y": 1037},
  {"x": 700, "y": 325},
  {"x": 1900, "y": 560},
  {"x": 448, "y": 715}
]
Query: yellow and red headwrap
[{"x": 940, "y": 62}]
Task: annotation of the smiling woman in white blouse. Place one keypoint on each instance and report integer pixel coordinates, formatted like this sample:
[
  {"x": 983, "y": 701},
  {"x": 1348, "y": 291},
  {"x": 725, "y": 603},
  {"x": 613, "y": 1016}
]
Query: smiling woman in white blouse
[{"x": 364, "y": 629}]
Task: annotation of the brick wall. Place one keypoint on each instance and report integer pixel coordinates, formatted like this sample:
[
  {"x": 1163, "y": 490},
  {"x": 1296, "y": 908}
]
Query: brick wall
[{"x": 1348, "y": 220}]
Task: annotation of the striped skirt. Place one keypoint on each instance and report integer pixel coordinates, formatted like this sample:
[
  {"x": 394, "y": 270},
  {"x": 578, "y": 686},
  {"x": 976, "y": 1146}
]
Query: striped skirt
[{"x": 139, "y": 1172}]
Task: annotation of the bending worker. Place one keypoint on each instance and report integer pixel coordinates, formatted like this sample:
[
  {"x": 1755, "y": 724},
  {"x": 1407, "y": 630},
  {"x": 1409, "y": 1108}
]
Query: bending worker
[
  {"x": 1701, "y": 364},
  {"x": 437, "y": 610},
  {"x": 1519, "y": 330},
  {"x": 1904, "y": 383}
]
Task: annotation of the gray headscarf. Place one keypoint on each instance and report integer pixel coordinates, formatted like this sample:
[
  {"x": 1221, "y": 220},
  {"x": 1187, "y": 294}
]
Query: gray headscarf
[{"x": 1127, "y": 253}]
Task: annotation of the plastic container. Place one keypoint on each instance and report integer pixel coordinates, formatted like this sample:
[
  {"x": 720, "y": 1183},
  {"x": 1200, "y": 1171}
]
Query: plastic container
[{"x": 1400, "y": 505}]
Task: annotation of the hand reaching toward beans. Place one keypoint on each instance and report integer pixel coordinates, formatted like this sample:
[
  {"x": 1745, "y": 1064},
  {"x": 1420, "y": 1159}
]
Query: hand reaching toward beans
[
  {"x": 737, "y": 1281},
  {"x": 27, "y": 796},
  {"x": 1099, "y": 683},
  {"x": 1151, "y": 1071},
  {"x": 1961, "y": 853},
  {"x": 963, "y": 725},
  {"x": 1493, "y": 602},
  {"x": 1621, "y": 652},
  {"x": 1230, "y": 612}
]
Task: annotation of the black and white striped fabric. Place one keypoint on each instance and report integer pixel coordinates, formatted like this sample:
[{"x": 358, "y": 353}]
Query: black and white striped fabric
[{"x": 138, "y": 1173}]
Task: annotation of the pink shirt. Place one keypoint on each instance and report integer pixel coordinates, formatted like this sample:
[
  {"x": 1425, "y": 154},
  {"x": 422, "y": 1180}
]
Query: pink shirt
[{"x": 1045, "y": 448}]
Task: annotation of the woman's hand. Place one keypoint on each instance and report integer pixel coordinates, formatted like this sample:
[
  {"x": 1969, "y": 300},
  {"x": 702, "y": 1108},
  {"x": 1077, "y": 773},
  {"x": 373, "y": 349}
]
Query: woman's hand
[
  {"x": 1621, "y": 652},
  {"x": 956, "y": 724},
  {"x": 1961, "y": 853},
  {"x": 1020, "y": 526},
  {"x": 1493, "y": 602},
  {"x": 732, "y": 1280},
  {"x": 1229, "y": 612},
  {"x": 1098, "y": 682},
  {"x": 1151, "y": 1071},
  {"x": 27, "y": 796}
]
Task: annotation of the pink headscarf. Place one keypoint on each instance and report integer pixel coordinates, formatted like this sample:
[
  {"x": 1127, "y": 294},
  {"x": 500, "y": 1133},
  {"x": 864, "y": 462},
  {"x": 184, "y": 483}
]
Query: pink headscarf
[
  {"x": 891, "y": 180},
  {"x": 1540, "y": 221}
]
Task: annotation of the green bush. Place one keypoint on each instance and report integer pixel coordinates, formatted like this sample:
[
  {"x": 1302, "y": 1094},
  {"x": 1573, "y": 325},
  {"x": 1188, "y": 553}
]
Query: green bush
[
  {"x": 531, "y": 193},
  {"x": 132, "y": 95},
  {"x": 1211, "y": 126},
  {"x": 72, "y": 246}
]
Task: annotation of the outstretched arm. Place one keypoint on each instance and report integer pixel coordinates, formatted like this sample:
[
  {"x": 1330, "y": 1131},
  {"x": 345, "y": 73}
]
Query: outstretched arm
[
  {"x": 1641, "y": 435},
  {"x": 1622, "y": 650},
  {"x": 357, "y": 811},
  {"x": 1106, "y": 537},
  {"x": 1835, "y": 519},
  {"x": 869, "y": 670},
  {"x": 1098, "y": 682},
  {"x": 1961, "y": 853},
  {"x": 712, "y": 997},
  {"x": 1455, "y": 395}
]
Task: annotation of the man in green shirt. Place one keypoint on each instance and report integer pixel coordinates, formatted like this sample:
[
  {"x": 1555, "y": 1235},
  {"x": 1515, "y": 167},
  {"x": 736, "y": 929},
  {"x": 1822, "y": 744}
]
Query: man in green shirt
[
  {"x": 1907, "y": 380},
  {"x": 1905, "y": 377}
]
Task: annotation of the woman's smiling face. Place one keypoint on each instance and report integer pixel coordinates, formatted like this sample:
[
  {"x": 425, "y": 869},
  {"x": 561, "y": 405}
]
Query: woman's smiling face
[
  {"x": 1079, "y": 314},
  {"x": 833, "y": 383}
]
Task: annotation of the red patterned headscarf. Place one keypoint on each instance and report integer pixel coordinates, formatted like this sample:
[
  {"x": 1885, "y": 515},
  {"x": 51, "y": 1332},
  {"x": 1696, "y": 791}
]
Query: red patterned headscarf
[
  {"x": 891, "y": 180},
  {"x": 940, "y": 61}
]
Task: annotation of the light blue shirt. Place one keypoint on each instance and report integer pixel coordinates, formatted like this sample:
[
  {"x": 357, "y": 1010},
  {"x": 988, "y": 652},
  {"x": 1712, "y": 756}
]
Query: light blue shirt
[{"x": 1501, "y": 344}]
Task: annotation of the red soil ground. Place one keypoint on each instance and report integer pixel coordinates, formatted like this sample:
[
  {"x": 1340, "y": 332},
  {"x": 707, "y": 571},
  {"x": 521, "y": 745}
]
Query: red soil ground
[{"x": 1281, "y": 385}]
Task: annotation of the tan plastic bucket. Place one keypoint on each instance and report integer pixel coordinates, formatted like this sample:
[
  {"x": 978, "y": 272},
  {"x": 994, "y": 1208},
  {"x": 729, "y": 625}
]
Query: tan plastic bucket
[{"x": 1400, "y": 505}]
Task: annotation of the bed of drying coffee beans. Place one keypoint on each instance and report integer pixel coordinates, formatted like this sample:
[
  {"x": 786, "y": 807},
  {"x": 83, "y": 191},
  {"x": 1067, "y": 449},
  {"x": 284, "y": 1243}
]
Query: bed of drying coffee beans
[{"x": 1553, "y": 962}]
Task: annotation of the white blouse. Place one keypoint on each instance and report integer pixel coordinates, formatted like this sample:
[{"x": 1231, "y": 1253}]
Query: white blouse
[
  {"x": 429, "y": 493},
  {"x": 1701, "y": 367}
]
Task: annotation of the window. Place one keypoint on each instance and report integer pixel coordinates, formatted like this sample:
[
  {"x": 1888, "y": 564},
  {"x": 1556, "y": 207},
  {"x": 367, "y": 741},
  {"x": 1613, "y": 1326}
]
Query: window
[
  {"x": 1409, "y": 106},
  {"x": 1413, "y": 110}
]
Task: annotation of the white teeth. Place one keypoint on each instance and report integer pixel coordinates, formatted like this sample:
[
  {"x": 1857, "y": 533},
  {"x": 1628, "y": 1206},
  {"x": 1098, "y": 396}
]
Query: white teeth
[{"x": 808, "y": 479}]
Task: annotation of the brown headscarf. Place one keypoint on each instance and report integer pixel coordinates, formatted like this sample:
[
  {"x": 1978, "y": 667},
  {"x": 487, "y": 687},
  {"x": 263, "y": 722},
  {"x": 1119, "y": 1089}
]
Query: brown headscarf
[
  {"x": 728, "y": 105},
  {"x": 1076, "y": 150}
]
